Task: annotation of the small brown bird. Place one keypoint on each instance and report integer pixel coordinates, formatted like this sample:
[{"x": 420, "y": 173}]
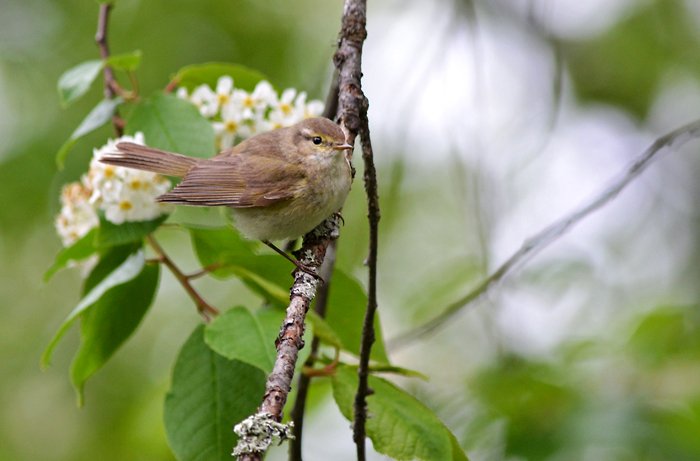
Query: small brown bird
[{"x": 280, "y": 184}]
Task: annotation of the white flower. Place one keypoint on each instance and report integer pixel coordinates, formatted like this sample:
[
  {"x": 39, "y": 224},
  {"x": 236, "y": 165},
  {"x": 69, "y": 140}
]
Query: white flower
[
  {"x": 254, "y": 105},
  {"x": 231, "y": 126},
  {"x": 237, "y": 114},
  {"x": 284, "y": 113},
  {"x": 137, "y": 198},
  {"x": 224, "y": 89},
  {"x": 181, "y": 93},
  {"x": 77, "y": 215},
  {"x": 206, "y": 101},
  {"x": 125, "y": 194},
  {"x": 313, "y": 108}
]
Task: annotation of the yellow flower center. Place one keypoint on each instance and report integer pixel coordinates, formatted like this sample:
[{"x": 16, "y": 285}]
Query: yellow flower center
[
  {"x": 109, "y": 172},
  {"x": 125, "y": 205},
  {"x": 286, "y": 108},
  {"x": 248, "y": 102},
  {"x": 135, "y": 184},
  {"x": 223, "y": 99},
  {"x": 231, "y": 126}
]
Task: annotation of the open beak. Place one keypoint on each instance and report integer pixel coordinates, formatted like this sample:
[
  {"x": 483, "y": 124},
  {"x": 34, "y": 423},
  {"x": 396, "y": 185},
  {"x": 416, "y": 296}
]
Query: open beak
[{"x": 343, "y": 146}]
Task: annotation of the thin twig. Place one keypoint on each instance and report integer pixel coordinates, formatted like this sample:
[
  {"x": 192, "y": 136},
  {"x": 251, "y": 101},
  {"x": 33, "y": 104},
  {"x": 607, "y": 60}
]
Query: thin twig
[
  {"x": 204, "y": 271},
  {"x": 206, "y": 310},
  {"x": 110, "y": 83},
  {"x": 368, "y": 334},
  {"x": 532, "y": 245}
]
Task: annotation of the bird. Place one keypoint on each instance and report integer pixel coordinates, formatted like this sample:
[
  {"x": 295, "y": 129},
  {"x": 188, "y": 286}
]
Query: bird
[{"x": 279, "y": 184}]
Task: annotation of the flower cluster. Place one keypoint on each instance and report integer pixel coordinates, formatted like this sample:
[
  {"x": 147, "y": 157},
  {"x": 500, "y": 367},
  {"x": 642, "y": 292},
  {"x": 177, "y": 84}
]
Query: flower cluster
[
  {"x": 122, "y": 194},
  {"x": 237, "y": 114}
]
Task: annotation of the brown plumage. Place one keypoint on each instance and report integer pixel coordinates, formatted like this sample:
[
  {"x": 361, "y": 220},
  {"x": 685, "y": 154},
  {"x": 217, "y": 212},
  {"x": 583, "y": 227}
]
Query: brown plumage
[{"x": 281, "y": 184}]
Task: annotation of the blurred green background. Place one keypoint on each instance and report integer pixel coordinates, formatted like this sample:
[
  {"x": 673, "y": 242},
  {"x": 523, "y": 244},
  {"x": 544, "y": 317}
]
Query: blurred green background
[{"x": 489, "y": 119}]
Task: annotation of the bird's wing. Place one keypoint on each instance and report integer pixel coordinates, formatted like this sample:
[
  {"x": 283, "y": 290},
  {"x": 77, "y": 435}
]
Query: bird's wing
[{"x": 239, "y": 181}]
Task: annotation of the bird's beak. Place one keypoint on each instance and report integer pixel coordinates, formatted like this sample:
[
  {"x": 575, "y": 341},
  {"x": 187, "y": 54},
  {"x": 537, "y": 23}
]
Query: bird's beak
[{"x": 343, "y": 146}]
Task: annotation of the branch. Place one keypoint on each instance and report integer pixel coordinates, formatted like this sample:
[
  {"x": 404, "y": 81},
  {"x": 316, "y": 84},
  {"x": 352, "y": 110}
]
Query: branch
[
  {"x": 110, "y": 83},
  {"x": 536, "y": 243},
  {"x": 206, "y": 310},
  {"x": 305, "y": 379},
  {"x": 368, "y": 334},
  {"x": 353, "y": 109},
  {"x": 351, "y": 104},
  {"x": 290, "y": 338},
  {"x": 330, "y": 111}
]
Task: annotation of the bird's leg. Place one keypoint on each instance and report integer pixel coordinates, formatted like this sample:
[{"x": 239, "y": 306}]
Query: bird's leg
[{"x": 294, "y": 261}]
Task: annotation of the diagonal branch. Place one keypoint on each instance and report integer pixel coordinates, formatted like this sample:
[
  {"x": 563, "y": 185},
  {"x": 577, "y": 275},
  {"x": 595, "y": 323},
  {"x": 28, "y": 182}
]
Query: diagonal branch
[
  {"x": 304, "y": 380},
  {"x": 206, "y": 310},
  {"x": 289, "y": 341},
  {"x": 351, "y": 105},
  {"x": 532, "y": 245}
]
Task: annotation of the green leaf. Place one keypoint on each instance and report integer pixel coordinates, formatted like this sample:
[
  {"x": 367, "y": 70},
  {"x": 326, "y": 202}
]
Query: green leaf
[
  {"x": 643, "y": 53},
  {"x": 77, "y": 80},
  {"x": 95, "y": 290},
  {"x": 110, "y": 234},
  {"x": 172, "y": 124},
  {"x": 536, "y": 401},
  {"x": 664, "y": 334},
  {"x": 345, "y": 314},
  {"x": 208, "y": 396},
  {"x": 267, "y": 275},
  {"x": 239, "y": 334},
  {"x": 98, "y": 116},
  {"x": 126, "y": 61},
  {"x": 399, "y": 425},
  {"x": 81, "y": 249},
  {"x": 110, "y": 321},
  {"x": 109, "y": 259},
  {"x": 194, "y": 75}
]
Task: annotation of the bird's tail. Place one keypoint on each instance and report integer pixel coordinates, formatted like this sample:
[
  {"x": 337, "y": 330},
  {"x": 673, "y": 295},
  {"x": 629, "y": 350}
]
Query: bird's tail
[{"x": 147, "y": 158}]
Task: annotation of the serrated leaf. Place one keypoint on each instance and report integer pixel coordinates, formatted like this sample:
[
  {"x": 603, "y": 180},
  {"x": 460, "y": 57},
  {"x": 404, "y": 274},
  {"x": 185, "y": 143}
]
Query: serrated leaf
[
  {"x": 110, "y": 234},
  {"x": 194, "y": 75},
  {"x": 172, "y": 124},
  {"x": 75, "y": 82},
  {"x": 126, "y": 61},
  {"x": 81, "y": 249},
  {"x": 399, "y": 425},
  {"x": 110, "y": 321},
  {"x": 98, "y": 116},
  {"x": 208, "y": 395},
  {"x": 123, "y": 273},
  {"x": 239, "y": 334},
  {"x": 345, "y": 314}
]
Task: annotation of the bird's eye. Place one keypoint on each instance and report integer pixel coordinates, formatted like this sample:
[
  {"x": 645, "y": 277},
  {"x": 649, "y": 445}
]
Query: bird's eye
[{"x": 316, "y": 140}]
